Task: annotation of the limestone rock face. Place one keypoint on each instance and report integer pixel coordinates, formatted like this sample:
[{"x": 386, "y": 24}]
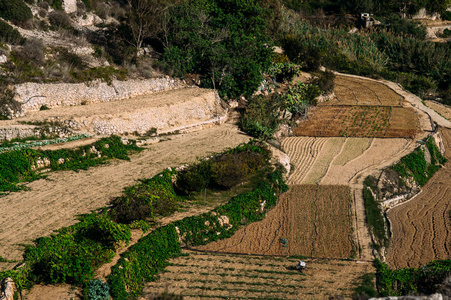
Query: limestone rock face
[
  {"x": 3, "y": 59},
  {"x": 70, "y": 6},
  {"x": 282, "y": 159},
  {"x": 7, "y": 289}
]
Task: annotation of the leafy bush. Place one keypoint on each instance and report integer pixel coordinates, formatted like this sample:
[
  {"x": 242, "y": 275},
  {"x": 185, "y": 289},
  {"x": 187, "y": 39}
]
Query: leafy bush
[
  {"x": 406, "y": 27},
  {"x": 325, "y": 80},
  {"x": 298, "y": 98},
  {"x": 10, "y": 35},
  {"x": 232, "y": 169},
  {"x": 98, "y": 290},
  {"x": 59, "y": 20},
  {"x": 106, "y": 73},
  {"x": 155, "y": 196},
  {"x": 415, "y": 165},
  {"x": 284, "y": 72},
  {"x": 423, "y": 280},
  {"x": 72, "y": 255},
  {"x": 373, "y": 212},
  {"x": 261, "y": 117},
  {"x": 196, "y": 178},
  {"x": 15, "y": 10}
]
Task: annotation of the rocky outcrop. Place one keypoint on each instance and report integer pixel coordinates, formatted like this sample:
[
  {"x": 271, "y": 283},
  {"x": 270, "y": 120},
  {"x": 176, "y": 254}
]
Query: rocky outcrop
[
  {"x": 7, "y": 289},
  {"x": 282, "y": 160}
]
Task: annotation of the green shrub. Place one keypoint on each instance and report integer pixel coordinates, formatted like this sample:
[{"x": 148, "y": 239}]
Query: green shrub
[
  {"x": 325, "y": 80},
  {"x": 105, "y": 73},
  {"x": 231, "y": 169},
  {"x": 15, "y": 10},
  {"x": 284, "y": 72},
  {"x": 195, "y": 178},
  {"x": 10, "y": 35},
  {"x": 59, "y": 20},
  {"x": 152, "y": 197},
  {"x": 98, "y": 290},
  {"x": 373, "y": 212},
  {"x": 73, "y": 255},
  {"x": 415, "y": 165},
  {"x": 261, "y": 117},
  {"x": 423, "y": 280},
  {"x": 298, "y": 98},
  {"x": 446, "y": 16}
]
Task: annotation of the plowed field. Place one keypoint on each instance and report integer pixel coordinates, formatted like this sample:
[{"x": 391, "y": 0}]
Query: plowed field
[
  {"x": 223, "y": 276},
  {"x": 421, "y": 227},
  {"x": 314, "y": 219},
  {"x": 360, "y": 121},
  {"x": 336, "y": 160},
  {"x": 443, "y": 110},
  {"x": 355, "y": 91}
]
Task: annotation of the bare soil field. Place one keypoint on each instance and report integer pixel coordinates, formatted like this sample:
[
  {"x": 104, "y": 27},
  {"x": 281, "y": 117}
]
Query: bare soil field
[
  {"x": 54, "y": 202},
  {"x": 421, "y": 227},
  {"x": 442, "y": 109},
  {"x": 360, "y": 121},
  {"x": 315, "y": 220},
  {"x": 355, "y": 91},
  {"x": 224, "y": 276},
  {"x": 335, "y": 161}
]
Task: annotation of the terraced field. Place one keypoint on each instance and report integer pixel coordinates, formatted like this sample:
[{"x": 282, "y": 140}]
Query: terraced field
[
  {"x": 421, "y": 227},
  {"x": 443, "y": 110},
  {"x": 360, "y": 121},
  {"x": 315, "y": 221},
  {"x": 225, "y": 276},
  {"x": 355, "y": 91},
  {"x": 336, "y": 160}
]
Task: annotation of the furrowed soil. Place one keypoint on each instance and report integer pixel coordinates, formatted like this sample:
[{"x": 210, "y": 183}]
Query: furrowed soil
[
  {"x": 335, "y": 161},
  {"x": 54, "y": 202},
  {"x": 442, "y": 109},
  {"x": 225, "y": 276},
  {"x": 421, "y": 227},
  {"x": 359, "y": 121},
  {"x": 356, "y": 91},
  {"x": 315, "y": 220}
]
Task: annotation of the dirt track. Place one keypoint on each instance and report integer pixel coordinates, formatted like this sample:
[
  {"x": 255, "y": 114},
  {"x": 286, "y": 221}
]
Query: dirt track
[
  {"x": 421, "y": 227},
  {"x": 52, "y": 203}
]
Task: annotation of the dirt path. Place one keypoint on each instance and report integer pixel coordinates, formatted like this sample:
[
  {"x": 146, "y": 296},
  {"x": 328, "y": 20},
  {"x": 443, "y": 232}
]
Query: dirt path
[{"x": 52, "y": 203}]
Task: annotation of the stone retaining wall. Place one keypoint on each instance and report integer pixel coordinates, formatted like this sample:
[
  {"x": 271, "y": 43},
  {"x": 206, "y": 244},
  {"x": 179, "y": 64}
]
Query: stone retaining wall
[{"x": 33, "y": 96}]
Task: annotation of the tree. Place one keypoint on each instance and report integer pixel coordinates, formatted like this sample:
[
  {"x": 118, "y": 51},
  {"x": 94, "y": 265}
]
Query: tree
[
  {"x": 146, "y": 17},
  {"x": 225, "y": 41}
]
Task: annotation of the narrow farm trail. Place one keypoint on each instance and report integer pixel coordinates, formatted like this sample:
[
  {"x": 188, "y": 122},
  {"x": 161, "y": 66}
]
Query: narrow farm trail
[{"x": 52, "y": 203}]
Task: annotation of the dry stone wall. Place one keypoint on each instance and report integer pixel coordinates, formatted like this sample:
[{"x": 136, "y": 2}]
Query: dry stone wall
[{"x": 33, "y": 96}]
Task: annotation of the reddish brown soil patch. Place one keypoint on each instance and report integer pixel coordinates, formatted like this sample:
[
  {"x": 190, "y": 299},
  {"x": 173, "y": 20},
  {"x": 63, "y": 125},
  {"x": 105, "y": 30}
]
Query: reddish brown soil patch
[
  {"x": 421, "y": 227},
  {"x": 315, "y": 220},
  {"x": 360, "y": 121}
]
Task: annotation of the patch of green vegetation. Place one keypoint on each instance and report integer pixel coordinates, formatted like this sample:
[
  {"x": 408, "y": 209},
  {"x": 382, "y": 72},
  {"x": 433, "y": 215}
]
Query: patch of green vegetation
[
  {"x": 15, "y": 10},
  {"x": 20, "y": 166},
  {"x": 105, "y": 73},
  {"x": 415, "y": 164},
  {"x": 10, "y": 35},
  {"x": 373, "y": 212},
  {"x": 145, "y": 259},
  {"x": 423, "y": 280},
  {"x": 72, "y": 255},
  {"x": 365, "y": 287}
]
